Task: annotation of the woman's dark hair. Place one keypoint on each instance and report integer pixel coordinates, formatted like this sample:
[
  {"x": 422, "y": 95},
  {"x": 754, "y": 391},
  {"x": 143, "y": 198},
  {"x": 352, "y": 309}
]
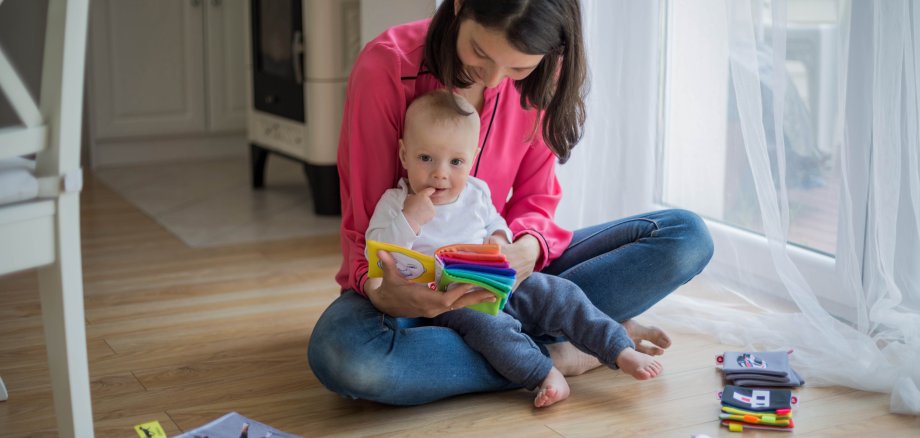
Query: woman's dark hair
[{"x": 556, "y": 88}]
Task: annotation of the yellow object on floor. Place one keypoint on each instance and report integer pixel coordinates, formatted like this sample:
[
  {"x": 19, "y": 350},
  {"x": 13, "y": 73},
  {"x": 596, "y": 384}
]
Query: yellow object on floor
[{"x": 150, "y": 429}]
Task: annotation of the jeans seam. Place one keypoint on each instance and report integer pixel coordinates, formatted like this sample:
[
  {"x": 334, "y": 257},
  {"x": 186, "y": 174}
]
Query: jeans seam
[
  {"x": 586, "y": 238},
  {"x": 572, "y": 271}
]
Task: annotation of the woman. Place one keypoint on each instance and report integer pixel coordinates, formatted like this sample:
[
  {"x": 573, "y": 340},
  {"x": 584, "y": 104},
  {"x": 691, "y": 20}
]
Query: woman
[{"x": 521, "y": 64}]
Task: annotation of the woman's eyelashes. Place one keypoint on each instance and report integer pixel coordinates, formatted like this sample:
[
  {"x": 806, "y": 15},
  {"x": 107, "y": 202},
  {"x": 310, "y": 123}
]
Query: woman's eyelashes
[
  {"x": 479, "y": 53},
  {"x": 516, "y": 72},
  {"x": 523, "y": 70}
]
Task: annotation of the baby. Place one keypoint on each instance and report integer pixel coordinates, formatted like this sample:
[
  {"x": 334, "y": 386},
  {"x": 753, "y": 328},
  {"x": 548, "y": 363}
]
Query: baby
[{"x": 439, "y": 203}]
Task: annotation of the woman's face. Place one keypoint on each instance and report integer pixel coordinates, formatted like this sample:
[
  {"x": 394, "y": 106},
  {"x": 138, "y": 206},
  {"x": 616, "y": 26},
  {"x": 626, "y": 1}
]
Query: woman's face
[{"x": 489, "y": 58}]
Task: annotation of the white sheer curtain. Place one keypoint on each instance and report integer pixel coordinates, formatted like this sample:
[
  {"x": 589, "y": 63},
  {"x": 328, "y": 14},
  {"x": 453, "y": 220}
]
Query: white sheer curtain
[
  {"x": 859, "y": 324},
  {"x": 607, "y": 175}
]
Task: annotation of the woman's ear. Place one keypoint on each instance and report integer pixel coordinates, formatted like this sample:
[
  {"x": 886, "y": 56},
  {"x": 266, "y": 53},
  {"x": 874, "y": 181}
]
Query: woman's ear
[{"x": 457, "y": 4}]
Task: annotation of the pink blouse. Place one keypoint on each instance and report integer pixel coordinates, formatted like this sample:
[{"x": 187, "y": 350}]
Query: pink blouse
[{"x": 514, "y": 161}]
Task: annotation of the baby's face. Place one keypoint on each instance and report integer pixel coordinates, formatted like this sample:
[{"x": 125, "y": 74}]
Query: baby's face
[{"x": 439, "y": 156}]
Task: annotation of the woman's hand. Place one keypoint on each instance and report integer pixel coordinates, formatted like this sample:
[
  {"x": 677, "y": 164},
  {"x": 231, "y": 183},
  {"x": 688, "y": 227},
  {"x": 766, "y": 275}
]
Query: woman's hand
[
  {"x": 397, "y": 296},
  {"x": 522, "y": 254}
]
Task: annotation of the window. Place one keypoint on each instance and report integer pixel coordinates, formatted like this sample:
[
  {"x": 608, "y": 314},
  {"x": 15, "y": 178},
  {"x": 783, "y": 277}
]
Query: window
[
  {"x": 703, "y": 162},
  {"x": 702, "y": 159}
]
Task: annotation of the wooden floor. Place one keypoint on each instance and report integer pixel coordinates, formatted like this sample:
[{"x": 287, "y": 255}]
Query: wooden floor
[{"x": 185, "y": 335}]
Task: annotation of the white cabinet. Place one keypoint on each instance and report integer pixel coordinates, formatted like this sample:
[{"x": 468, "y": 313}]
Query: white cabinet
[
  {"x": 225, "y": 43},
  {"x": 167, "y": 80}
]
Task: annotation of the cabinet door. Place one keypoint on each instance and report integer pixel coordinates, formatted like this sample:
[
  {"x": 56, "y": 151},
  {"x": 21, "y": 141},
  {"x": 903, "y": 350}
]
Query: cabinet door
[
  {"x": 226, "y": 65},
  {"x": 148, "y": 67}
]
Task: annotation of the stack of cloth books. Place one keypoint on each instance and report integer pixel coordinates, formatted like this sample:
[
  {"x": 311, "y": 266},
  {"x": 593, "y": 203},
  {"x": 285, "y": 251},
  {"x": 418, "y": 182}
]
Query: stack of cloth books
[
  {"x": 765, "y": 409},
  {"x": 759, "y": 369}
]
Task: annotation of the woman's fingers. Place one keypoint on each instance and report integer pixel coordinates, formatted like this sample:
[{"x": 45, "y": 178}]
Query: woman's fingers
[
  {"x": 499, "y": 240},
  {"x": 388, "y": 264},
  {"x": 480, "y": 296},
  {"x": 467, "y": 295}
]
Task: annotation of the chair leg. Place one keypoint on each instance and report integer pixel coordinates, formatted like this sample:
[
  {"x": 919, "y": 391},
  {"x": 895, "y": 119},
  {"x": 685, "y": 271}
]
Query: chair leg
[
  {"x": 3, "y": 394},
  {"x": 61, "y": 288},
  {"x": 324, "y": 185},
  {"x": 258, "y": 157}
]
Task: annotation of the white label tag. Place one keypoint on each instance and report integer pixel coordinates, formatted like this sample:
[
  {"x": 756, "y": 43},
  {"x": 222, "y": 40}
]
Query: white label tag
[
  {"x": 758, "y": 399},
  {"x": 761, "y": 399}
]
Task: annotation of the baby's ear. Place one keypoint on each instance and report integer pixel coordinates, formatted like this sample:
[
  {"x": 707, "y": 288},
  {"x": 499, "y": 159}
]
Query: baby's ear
[{"x": 402, "y": 152}]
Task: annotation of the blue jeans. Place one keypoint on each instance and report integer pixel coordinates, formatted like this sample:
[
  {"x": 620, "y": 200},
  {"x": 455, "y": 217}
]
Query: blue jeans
[{"x": 624, "y": 267}]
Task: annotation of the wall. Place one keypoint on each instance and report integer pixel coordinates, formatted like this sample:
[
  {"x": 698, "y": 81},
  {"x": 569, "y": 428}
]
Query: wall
[{"x": 377, "y": 16}]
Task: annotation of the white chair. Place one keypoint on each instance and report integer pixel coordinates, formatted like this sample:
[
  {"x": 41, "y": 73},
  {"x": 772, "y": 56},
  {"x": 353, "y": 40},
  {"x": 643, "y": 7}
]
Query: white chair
[{"x": 40, "y": 223}]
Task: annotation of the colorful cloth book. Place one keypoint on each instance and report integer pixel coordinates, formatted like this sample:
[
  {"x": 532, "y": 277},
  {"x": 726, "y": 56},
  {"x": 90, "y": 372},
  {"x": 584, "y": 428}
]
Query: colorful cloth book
[
  {"x": 739, "y": 426},
  {"x": 759, "y": 369},
  {"x": 767, "y": 409},
  {"x": 777, "y": 401},
  {"x": 482, "y": 265},
  {"x": 792, "y": 380}
]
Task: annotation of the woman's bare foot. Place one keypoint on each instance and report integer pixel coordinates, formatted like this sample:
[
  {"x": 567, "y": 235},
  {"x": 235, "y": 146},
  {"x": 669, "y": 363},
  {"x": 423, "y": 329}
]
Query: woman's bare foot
[
  {"x": 639, "y": 365},
  {"x": 571, "y": 361},
  {"x": 656, "y": 336},
  {"x": 553, "y": 389}
]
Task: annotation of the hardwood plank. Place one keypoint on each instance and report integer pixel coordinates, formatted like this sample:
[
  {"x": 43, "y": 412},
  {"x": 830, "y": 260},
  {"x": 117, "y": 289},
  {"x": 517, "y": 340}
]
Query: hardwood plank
[
  {"x": 177, "y": 355},
  {"x": 178, "y": 397},
  {"x": 34, "y": 353},
  {"x": 263, "y": 365},
  {"x": 27, "y": 411},
  {"x": 892, "y": 425}
]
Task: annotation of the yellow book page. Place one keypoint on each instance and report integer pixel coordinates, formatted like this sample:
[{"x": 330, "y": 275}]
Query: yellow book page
[{"x": 411, "y": 264}]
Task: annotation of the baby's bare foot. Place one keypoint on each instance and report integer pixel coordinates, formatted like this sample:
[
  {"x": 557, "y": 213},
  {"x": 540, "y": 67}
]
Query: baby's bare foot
[
  {"x": 570, "y": 360},
  {"x": 553, "y": 389},
  {"x": 639, "y": 365},
  {"x": 656, "y": 336}
]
